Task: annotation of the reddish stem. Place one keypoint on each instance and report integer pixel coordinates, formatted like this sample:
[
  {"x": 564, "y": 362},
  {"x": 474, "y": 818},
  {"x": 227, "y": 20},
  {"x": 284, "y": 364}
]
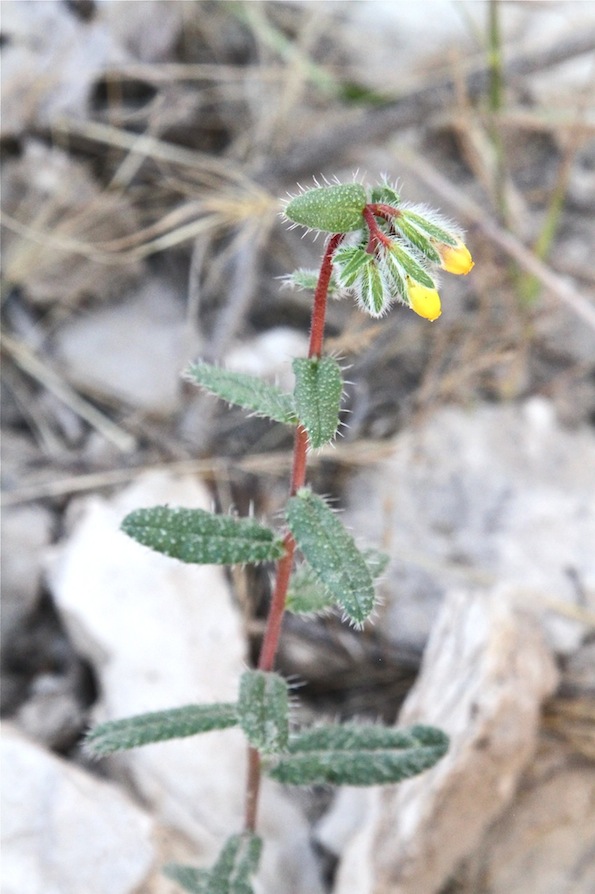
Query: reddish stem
[
  {"x": 272, "y": 632},
  {"x": 376, "y": 234}
]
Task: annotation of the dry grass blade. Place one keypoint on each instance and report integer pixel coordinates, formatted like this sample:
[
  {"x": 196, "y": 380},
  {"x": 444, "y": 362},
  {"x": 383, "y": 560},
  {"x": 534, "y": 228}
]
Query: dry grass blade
[
  {"x": 29, "y": 363},
  {"x": 525, "y": 258}
]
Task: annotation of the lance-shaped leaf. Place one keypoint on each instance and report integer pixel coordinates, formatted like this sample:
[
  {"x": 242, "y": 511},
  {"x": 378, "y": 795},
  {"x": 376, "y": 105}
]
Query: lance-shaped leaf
[
  {"x": 440, "y": 234},
  {"x": 348, "y": 261},
  {"x": 318, "y": 389},
  {"x": 249, "y": 392},
  {"x": 263, "y": 710},
  {"x": 235, "y": 866},
  {"x": 308, "y": 280},
  {"x": 190, "y": 879},
  {"x": 412, "y": 267},
  {"x": 306, "y": 595},
  {"x": 371, "y": 289},
  {"x": 157, "y": 726},
  {"x": 359, "y": 755},
  {"x": 194, "y": 535},
  {"x": 231, "y": 874},
  {"x": 332, "y": 554}
]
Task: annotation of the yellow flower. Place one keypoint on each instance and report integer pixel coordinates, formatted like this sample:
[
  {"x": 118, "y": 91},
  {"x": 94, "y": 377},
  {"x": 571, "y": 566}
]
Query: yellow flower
[
  {"x": 424, "y": 301},
  {"x": 455, "y": 258}
]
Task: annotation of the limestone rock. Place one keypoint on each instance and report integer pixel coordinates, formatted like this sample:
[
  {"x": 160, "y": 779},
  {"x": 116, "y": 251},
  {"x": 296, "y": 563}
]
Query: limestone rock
[
  {"x": 66, "y": 832},
  {"x": 160, "y": 634},
  {"x": 133, "y": 353},
  {"x": 485, "y": 674},
  {"x": 473, "y": 499},
  {"x": 26, "y": 530}
]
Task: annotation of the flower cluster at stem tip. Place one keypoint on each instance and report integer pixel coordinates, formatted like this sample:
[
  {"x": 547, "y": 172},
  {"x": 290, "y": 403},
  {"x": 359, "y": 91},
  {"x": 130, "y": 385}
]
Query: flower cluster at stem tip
[{"x": 388, "y": 249}]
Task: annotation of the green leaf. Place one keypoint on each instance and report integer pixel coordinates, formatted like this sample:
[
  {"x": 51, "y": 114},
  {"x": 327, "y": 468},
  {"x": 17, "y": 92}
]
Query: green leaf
[
  {"x": 412, "y": 267},
  {"x": 421, "y": 241},
  {"x": 376, "y": 562},
  {"x": 431, "y": 228},
  {"x": 333, "y": 209},
  {"x": 157, "y": 726},
  {"x": 332, "y": 554},
  {"x": 244, "y": 391},
  {"x": 318, "y": 390},
  {"x": 263, "y": 710},
  {"x": 385, "y": 194},
  {"x": 190, "y": 879},
  {"x": 372, "y": 293},
  {"x": 354, "y": 754},
  {"x": 306, "y": 594},
  {"x": 197, "y": 536},
  {"x": 348, "y": 261},
  {"x": 308, "y": 280},
  {"x": 236, "y": 864}
]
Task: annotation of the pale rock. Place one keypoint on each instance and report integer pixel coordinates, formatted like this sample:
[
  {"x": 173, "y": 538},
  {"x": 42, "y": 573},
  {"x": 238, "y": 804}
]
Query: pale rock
[
  {"x": 269, "y": 355},
  {"x": 500, "y": 495},
  {"x": 484, "y": 676},
  {"x": 26, "y": 531},
  {"x": 159, "y": 634},
  {"x": 52, "y": 59},
  {"x": 147, "y": 31},
  {"x": 65, "y": 831},
  {"x": 49, "y": 63},
  {"x": 288, "y": 865},
  {"x": 545, "y": 841},
  {"x": 133, "y": 352}
]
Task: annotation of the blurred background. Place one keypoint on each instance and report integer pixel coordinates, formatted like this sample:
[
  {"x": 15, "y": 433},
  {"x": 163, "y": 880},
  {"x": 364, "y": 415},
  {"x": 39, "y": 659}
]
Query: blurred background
[{"x": 146, "y": 150}]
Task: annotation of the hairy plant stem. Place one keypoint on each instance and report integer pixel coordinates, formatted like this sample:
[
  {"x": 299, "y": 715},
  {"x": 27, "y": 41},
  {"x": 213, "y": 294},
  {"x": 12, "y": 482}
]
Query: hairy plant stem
[{"x": 272, "y": 633}]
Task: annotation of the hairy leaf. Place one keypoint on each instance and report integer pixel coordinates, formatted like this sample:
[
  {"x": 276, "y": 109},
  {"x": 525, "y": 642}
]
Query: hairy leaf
[
  {"x": 197, "y": 536},
  {"x": 157, "y": 726},
  {"x": 245, "y": 391},
  {"x": 333, "y": 209},
  {"x": 332, "y": 554},
  {"x": 236, "y": 864},
  {"x": 190, "y": 879},
  {"x": 263, "y": 710},
  {"x": 308, "y": 596},
  {"x": 318, "y": 389},
  {"x": 354, "y": 754}
]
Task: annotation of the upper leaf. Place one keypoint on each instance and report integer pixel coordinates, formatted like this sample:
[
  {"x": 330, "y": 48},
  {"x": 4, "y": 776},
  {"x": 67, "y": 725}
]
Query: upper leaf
[
  {"x": 332, "y": 554},
  {"x": 157, "y": 726},
  {"x": 353, "y": 754},
  {"x": 194, "y": 535},
  {"x": 334, "y": 209},
  {"x": 245, "y": 391},
  {"x": 318, "y": 389},
  {"x": 263, "y": 709}
]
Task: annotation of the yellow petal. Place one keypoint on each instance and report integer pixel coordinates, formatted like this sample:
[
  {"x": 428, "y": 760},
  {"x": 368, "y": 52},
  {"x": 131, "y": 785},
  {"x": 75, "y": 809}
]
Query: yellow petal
[
  {"x": 424, "y": 301},
  {"x": 455, "y": 258}
]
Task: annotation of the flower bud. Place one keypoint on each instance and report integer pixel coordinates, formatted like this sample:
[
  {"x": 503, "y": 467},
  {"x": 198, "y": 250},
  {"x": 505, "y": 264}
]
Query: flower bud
[
  {"x": 455, "y": 259},
  {"x": 424, "y": 301}
]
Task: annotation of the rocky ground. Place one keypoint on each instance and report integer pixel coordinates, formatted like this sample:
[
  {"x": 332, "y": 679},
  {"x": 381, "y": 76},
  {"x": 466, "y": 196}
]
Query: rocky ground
[{"x": 145, "y": 145}]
